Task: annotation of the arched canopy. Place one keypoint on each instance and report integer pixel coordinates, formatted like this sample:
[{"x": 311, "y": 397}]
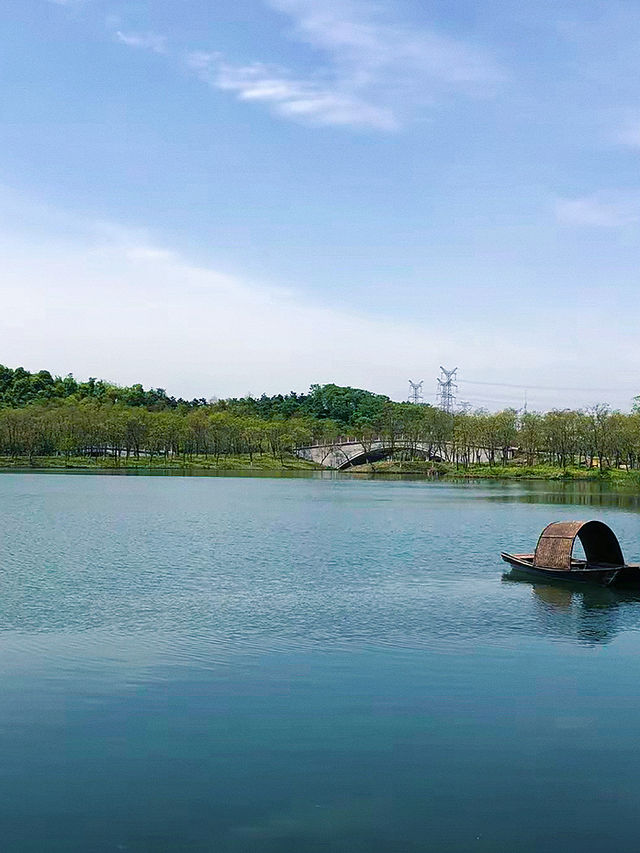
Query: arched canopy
[{"x": 555, "y": 545}]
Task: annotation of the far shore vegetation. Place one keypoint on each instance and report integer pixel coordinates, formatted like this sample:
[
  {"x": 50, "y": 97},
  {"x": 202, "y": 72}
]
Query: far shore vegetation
[
  {"x": 290, "y": 462},
  {"x": 195, "y": 463},
  {"x": 55, "y": 422}
]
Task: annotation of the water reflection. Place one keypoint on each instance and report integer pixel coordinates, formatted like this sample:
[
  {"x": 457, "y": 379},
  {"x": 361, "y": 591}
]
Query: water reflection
[
  {"x": 590, "y": 614},
  {"x": 577, "y": 494}
]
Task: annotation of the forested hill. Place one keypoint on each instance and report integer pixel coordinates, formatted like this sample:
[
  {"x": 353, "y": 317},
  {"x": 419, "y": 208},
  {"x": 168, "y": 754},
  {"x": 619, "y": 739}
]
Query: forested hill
[
  {"x": 19, "y": 387},
  {"x": 348, "y": 407},
  {"x": 42, "y": 415}
]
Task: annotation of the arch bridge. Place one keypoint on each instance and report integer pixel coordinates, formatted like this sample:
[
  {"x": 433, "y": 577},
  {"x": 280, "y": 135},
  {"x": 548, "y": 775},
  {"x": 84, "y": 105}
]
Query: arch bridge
[{"x": 345, "y": 453}]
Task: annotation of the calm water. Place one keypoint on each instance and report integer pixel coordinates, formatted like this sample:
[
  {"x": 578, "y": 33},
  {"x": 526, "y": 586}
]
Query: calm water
[{"x": 310, "y": 664}]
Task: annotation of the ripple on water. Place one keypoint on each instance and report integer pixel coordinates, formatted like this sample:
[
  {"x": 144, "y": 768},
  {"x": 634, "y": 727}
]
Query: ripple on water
[
  {"x": 224, "y": 663},
  {"x": 309, "y": 562}
]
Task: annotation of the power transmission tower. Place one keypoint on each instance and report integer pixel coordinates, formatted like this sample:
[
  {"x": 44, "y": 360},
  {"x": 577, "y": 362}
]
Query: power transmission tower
[
  {"x": 415, "y": 393},
  {"x": 446, "y": 388}
]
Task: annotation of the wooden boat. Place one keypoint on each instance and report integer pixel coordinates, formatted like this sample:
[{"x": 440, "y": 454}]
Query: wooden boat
[{"x": 553, "y": 557}]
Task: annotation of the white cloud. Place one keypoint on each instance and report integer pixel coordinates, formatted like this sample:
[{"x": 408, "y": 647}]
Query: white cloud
[
  {"x": 101, "y": 300},
  {"x": 367, "y": 47},
  {"x": 596, "y": 212},
  {"x": 146, "y": 41},
  {"x": 302, "y": 99},
  {"x": 132, "y": 312},
  {"x": 372, "y": 73}
]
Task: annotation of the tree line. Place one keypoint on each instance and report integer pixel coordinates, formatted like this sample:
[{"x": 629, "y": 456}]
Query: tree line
[
  {"x": 42, "y": 415},
  {"x": 91, "y": 428}
]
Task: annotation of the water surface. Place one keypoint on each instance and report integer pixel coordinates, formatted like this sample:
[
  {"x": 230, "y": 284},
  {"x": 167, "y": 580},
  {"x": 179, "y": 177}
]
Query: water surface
[{"x": 309, "y": 664}]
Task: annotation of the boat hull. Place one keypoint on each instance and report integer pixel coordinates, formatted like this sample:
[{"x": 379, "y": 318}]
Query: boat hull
[{"x": 524, "y": 565}]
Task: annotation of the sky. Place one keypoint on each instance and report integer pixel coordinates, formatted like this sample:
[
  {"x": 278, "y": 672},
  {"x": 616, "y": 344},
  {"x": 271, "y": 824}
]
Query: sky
[{"x": 221, "y": 198}]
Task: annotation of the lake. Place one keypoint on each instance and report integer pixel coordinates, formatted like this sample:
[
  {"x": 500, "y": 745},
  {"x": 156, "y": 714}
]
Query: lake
[{"x": 320, "y": 663}]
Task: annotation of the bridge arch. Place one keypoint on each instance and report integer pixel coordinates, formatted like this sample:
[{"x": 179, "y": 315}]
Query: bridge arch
[{"x": 376, "y": 454}]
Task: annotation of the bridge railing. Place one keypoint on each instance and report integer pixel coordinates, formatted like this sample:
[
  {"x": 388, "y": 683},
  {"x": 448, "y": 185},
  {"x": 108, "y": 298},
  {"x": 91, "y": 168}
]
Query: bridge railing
[{"x": 346, "y": 440}]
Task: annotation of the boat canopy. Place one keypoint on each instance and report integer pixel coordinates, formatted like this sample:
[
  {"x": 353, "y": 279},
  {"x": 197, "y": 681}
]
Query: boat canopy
[{"x": 555, "y": 545}]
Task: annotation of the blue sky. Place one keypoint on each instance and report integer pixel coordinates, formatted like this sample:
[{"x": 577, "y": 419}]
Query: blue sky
[{"x": 224, "y": 197}]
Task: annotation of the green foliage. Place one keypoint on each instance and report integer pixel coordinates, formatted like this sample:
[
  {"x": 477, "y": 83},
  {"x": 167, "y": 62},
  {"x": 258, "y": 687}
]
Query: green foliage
[
  {"x": 241, "y": 462},
  {"x": 48, "y": 416},
  {"x": 114, "y": 431},
  {"x": 347, "y": 407},
  {"x": 19, "y": 387}
]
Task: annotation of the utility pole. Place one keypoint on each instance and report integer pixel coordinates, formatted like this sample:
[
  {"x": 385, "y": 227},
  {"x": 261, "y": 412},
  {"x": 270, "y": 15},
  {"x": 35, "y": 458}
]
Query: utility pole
[
  {"x": 447, "y": 388},
  {"x": 415, "y": 392}
]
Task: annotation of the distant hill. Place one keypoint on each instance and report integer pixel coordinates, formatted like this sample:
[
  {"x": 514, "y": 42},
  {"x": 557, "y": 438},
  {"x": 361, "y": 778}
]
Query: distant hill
[
  {"x": 347, "y": 407},
  {"x": 19, "y": 387}
]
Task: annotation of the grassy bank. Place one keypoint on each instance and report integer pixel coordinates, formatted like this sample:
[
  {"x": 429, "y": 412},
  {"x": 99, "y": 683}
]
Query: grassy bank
[
  {"x": 502, "y": 472},
  {"x": 189, "y": 463},
  {"x": 416, "y": 468}
]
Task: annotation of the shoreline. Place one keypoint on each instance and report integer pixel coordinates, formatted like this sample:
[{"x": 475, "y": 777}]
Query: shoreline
[
  {"x": 449, "y": 471},
  {"x": 267, "y": 464},
  {"x": 226, "y": 463}
]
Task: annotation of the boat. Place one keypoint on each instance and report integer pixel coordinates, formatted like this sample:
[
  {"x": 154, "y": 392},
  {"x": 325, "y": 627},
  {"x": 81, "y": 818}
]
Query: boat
[{"x": 553, "y": 557}]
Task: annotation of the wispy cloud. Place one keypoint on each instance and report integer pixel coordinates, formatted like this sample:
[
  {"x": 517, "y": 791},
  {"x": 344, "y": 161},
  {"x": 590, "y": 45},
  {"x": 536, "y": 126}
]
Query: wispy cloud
[
  {"x": 368, "y": 47},
  {"x": 311, "y": 100},
  {"x": 597, "y": 212},
  {"x": 74, "y": 291},
  {"x": 368, "y": 72},
  {"x": 145, "y": 41},
  {"x": 266, "y": 337}
]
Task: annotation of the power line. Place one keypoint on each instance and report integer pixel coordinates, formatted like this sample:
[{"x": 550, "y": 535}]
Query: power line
[
  {"x": 526, "y": 386},
  {"x": 489, "y": 400}
]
